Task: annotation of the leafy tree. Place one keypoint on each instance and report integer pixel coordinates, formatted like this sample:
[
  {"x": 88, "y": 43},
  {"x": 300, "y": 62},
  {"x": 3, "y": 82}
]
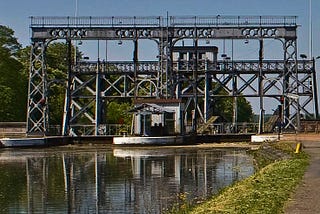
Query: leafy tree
[
  {"x": 56, "y": 66},
  {"x": 57, "y": 69},
  {"x": 117, "y": 112},
  {"x": 13, "y": 79},
  {"x": 6, "y": 96},
  {"x": 8, "y": 42},
  {"x": 245, "y": 113},
  {"x": 224, "y": 107}
]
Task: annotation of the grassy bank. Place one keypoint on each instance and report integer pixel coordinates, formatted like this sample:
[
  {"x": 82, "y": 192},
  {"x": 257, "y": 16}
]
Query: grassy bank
[{"x": 279, "y": 173}]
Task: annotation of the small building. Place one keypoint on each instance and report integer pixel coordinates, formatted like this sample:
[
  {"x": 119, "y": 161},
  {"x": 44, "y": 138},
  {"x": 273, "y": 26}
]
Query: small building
[
  {"x": 158, "y": 117},
  {"x": 188, "y": 53}
]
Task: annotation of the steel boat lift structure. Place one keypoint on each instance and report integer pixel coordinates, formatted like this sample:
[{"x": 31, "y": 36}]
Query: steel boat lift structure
[{"x": 290, "y": 81}]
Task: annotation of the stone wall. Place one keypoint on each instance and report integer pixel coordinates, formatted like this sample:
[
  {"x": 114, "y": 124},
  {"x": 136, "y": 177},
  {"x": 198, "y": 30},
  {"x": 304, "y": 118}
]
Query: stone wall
[
  {"x": 310, "y": 126},
  {"x": 12, "y": 129}
]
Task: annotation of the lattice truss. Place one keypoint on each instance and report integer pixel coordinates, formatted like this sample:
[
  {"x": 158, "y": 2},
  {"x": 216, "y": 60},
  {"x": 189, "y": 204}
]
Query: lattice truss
[
  {"x": 37, "y": 110},
  {"x": 241, "y": 79},
  {"x": 91, "y": 84}
]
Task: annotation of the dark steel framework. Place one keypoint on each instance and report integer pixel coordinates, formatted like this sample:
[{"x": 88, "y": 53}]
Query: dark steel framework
[{"x": 290, "y": 81}]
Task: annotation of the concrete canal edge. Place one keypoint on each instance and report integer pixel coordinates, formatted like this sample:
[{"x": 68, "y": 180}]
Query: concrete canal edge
[
  {"x": 260, "y": 138},
  {"x": 82, "y": 140}
]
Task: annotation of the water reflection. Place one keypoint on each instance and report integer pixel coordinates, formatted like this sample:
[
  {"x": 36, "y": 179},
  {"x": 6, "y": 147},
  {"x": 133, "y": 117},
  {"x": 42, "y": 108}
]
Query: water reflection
[{"x": 114, "y": 180}]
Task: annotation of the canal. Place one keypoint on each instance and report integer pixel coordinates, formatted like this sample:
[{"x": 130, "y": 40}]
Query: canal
[{"x": 106, "y": 179}]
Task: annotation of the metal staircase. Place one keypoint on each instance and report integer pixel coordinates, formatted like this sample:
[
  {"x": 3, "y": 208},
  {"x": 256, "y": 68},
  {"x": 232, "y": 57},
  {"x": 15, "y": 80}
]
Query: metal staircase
[{"x": 204, "y": 127}]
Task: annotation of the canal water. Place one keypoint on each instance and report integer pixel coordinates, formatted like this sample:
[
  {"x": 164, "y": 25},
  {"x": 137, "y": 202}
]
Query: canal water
[{"x": 106, "y": 179}]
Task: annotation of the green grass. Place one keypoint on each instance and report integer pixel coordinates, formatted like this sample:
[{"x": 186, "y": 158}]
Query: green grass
[{"x": 264, "y": 192}]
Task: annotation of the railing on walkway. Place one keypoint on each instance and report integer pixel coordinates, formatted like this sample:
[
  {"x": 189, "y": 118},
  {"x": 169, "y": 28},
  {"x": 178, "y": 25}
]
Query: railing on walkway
[
  {"x": 159, "y": 21},
  {"x": 213, "y": 129},
  {"x": 222, "y": 21},
  {"x": 229, "y": 128},
  {"x": 104, "y": 129},
  {"x": 143, "y": 67}
]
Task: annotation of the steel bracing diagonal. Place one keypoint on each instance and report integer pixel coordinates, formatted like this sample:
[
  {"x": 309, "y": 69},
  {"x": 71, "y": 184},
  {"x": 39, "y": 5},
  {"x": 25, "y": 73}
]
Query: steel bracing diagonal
[
  {"x": 37, "y": 110},
  {"x": 92, "y": 83}
]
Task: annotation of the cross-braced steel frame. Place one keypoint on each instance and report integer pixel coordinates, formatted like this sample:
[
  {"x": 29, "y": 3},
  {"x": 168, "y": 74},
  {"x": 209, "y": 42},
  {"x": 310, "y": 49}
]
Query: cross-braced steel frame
[{"x": 290, "y": 81}]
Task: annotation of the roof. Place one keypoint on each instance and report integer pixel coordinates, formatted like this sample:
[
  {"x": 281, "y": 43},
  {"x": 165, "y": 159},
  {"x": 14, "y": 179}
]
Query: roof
[
  {"x": 151, "y": 108},
  {"x": 158, "y": 101}
]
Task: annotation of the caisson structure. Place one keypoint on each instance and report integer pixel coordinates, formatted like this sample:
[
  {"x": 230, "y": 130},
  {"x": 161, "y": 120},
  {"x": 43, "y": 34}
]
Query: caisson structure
[{"x": 189, "y": 74}]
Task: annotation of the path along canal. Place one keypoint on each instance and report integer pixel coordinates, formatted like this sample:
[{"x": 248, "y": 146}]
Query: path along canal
[{"x": 107, "y": 179}]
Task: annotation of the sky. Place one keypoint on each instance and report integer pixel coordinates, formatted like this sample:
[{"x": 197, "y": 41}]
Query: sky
[{"x": 15, "y": 14}]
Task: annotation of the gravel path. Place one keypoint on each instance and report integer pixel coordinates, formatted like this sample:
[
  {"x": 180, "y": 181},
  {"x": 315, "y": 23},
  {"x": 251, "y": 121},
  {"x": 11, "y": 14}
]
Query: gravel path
[{"x": 306, "y": 199}]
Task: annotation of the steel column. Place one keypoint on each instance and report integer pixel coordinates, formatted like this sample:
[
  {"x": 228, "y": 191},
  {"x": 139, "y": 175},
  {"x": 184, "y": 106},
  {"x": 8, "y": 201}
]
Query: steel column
[
  {"x": 37, "y": 111},
  {"x": 98, "y": 107},
  {"x": 67, "y": 101},
  {"x": 315, "y": 90}
]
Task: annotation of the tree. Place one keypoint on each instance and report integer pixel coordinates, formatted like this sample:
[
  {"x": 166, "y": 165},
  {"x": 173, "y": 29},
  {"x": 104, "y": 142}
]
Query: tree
[
  {"x": 56, "y": 69},
  {"x": 13, "y": 79},
  {"x": 8, "y": 42},
  {"x": 117, "y": 112},
  {"x": 224, "y": 107}
]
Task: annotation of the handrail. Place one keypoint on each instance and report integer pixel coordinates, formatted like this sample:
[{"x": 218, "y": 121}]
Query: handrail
[
  {"x": 220, "y": 65},
  {"x": 159, "y": 21}
]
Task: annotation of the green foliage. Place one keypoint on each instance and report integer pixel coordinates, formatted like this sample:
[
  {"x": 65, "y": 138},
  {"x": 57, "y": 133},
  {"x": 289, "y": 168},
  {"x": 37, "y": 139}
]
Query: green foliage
[
  {"x": 13, "y": 79},
  {"x": 245, "y": 113},
  {"x": 6, "y": 96},
  {"x": 8, "y": 41},
  {"x": 57, "y": 69},
  {"x": 118, "y": 113},
  {"x": 56, "y": 66},
  {"x": 56, "y": 103},
  {"x": 269, "y": 153},
  {"x": 224, "y": 106},
  {"x": 182, "y": 206}
]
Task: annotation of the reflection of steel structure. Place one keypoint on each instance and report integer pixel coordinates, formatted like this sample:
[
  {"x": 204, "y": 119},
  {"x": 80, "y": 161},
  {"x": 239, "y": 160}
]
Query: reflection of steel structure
[{"x": 90, "y": 83}]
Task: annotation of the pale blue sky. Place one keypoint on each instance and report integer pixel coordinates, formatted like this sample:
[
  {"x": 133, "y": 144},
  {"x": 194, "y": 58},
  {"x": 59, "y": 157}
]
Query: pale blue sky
[{"x": 16, "y": 13}]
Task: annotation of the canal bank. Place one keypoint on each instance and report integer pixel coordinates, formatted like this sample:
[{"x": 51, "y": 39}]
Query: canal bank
[
  {"x": 65, "y": 140},
  {"x": 306, "y": 198},
  {"x": 268, "y": 190}
]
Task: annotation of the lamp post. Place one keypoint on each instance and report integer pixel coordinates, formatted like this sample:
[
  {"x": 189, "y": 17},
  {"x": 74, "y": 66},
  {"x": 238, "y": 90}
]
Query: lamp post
[
  {"x": 310, "y": 29},
  {"x": 314, "y": 87},
  {"x": 260, "y": 86}
]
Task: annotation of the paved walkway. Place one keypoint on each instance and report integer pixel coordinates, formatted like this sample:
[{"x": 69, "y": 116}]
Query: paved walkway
[{"x": 306, "y": 199}]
